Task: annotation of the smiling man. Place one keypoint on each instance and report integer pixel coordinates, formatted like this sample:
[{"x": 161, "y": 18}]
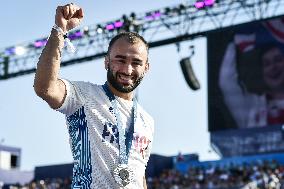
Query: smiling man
[{"x": 110, "y": 133}]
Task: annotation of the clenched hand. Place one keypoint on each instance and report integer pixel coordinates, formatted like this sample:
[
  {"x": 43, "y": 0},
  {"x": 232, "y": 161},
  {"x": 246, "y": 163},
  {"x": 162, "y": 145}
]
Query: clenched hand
[{"x": 68, "y": 16}]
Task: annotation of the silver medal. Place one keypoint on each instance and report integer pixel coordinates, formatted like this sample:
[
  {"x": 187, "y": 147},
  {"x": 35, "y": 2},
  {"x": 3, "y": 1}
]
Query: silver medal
[{"x": 123, "y": 175}]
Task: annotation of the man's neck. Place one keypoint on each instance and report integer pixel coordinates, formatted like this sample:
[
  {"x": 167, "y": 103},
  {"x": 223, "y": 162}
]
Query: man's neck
[{"x": 126, "y": 96}]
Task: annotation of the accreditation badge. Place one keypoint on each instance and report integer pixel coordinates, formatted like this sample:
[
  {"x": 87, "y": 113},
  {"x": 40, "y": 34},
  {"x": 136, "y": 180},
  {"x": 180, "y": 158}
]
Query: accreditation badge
[{"x": 123, "y": 175}]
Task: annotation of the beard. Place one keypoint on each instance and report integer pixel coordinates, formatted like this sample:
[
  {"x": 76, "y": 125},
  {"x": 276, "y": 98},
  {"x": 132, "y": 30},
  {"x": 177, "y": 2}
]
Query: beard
[{"x": 112, "y": 79}]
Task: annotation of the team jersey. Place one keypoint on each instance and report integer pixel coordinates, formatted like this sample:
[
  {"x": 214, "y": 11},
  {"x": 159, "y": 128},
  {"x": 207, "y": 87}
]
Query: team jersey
[{"x": 93, "y": 135}]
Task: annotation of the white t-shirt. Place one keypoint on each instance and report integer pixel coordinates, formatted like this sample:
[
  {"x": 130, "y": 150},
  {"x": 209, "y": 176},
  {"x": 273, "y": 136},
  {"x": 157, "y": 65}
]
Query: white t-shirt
[{"x": 94, "y": 136}]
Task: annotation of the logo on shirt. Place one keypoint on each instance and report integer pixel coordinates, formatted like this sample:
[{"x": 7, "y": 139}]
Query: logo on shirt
[
  {"x": 110, "y": 133},
  {"x": 139, "y": 142}
]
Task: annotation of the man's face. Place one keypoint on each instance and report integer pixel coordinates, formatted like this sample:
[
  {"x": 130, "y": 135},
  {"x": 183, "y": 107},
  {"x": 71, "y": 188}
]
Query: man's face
[
  {"x": 126, "y": 65},
  {"x": 273, "y": 69}
]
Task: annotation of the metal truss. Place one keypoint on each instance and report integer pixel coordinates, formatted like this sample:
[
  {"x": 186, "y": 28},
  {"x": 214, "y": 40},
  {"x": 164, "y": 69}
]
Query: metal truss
[{"x": 164, "y": 26}]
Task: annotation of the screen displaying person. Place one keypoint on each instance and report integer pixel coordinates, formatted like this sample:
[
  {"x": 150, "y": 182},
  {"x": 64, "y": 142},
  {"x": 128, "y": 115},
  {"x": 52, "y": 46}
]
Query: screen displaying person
[{"x": 252, "y": 84}]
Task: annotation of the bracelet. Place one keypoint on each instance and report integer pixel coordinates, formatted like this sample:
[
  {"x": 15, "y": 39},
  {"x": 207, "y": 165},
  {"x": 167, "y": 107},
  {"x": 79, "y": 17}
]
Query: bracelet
[
  {"x": 70, "y": 46},
  {"x": 59, "y": 30}
]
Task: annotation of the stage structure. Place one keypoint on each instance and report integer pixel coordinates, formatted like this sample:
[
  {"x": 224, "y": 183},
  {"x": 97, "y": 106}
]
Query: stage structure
[{"x": 168, "y": 25}]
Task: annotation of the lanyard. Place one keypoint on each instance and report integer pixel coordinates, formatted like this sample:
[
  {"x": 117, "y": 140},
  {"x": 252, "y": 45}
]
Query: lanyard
[{"x": 125, "y": 138}]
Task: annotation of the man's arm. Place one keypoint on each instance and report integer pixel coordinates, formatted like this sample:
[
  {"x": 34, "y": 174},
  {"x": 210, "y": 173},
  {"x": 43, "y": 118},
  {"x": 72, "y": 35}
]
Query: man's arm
[
  {"x": 144, "y": 182},
  {"x": 47, "y": 84}
]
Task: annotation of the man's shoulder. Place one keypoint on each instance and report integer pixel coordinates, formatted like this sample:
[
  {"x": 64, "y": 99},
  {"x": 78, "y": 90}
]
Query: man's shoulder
[
  {"x": 85, "y": 86},
  {"x": 83, "y": 83},
  {"x": 84, "y": 89}
]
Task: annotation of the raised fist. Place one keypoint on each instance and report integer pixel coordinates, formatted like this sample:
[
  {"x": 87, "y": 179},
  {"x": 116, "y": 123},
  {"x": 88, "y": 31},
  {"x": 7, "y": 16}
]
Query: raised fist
[{"x": 68, "y": 17}]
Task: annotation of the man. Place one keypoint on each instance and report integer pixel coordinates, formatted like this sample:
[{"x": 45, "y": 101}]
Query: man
[{"x": 110, "y": 134}]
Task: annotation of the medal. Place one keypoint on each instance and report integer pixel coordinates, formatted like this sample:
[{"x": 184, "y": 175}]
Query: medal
[{"x": 123, "y": 175}]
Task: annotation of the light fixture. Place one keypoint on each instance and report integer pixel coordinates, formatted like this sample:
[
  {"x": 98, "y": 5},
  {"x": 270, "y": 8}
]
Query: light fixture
[
  {"x": 9, "y": 51},
  {"x": 75, "y": 35},
  {"x": 167, "y": 10},
  {"x": 110, "y": 26},
  {"x": 118, "y": 24},
  {"x": 19, "y": 50},
  {"x": 133, "y": 16},
  {"x": 40, "y": 43},
  {"x": 126, "y": 23},
  {"x": 153, "y": 15},
  {"x": 209, "y": 2},
  {"x": 200, "y": 4},
  {"x": 99, "y": 29}
]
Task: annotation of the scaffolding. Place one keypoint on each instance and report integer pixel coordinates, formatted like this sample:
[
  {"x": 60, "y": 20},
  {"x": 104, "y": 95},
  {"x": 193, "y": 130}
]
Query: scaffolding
[{"x": 160, "y": 27}]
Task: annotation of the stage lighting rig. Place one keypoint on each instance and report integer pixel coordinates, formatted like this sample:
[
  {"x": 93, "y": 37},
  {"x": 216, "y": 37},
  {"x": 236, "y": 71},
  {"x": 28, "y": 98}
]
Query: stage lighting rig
[{"x": 168, "y": 25}]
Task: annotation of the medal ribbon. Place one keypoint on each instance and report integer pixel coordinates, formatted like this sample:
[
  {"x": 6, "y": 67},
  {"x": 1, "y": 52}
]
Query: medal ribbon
[{"x": 125, "y": 138}]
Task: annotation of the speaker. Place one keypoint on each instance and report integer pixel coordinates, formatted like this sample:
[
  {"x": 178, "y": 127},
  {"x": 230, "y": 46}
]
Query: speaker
[{"x": 188, "y": 74}]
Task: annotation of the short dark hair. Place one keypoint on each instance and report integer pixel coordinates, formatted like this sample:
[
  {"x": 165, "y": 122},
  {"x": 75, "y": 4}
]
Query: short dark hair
[{"x": 131, "y": 37}]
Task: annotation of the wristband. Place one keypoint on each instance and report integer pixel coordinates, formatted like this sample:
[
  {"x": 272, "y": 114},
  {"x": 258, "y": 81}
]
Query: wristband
[{"x": 70, "y": 46}]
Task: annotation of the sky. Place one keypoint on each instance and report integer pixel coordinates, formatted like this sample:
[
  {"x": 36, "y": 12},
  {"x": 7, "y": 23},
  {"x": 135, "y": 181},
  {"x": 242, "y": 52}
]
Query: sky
[{"x": 27, "y": 122}]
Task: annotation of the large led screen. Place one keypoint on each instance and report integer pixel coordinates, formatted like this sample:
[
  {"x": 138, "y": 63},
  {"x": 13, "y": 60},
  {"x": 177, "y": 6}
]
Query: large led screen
[{"x": 246, "y": 86}]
